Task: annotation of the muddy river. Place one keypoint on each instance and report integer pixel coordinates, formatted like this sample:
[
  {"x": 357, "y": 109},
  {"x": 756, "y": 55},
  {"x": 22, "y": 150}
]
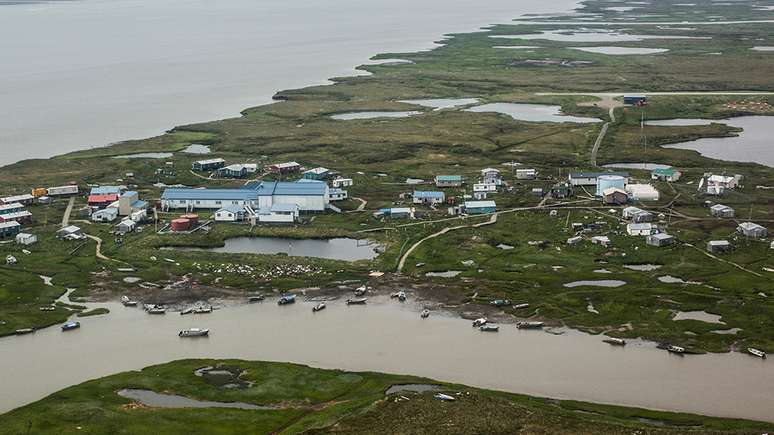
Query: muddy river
[{"x": 388, "y": 336}]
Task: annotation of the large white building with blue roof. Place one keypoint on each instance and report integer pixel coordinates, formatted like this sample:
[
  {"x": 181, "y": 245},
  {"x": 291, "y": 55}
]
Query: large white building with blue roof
[{"x": 257, "y": 195}]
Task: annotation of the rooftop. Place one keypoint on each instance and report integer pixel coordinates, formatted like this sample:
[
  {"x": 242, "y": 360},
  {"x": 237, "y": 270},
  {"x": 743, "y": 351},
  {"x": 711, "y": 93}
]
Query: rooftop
[
  {"x": 480, "y": 204},
  {"x": 448, "y": 177},
  {"x": 596, "y": 174},
  {"x": 428, "y": 194},
  {"x": 209, "y": 194},
  {"x": 210, "y": 161}
]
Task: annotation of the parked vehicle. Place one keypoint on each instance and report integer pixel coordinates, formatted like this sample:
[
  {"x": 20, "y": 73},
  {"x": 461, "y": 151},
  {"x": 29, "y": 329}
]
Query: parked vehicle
[
  {"x": 360, "y": 291},
  {"x": 23, "y": 331},
  {"x": 520, "y": 306},
  {"x": 203, "y": 310},
  {"x": 128, "y": 302}
]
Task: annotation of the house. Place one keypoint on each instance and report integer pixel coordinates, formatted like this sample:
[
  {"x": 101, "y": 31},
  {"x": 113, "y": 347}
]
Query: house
[
  {"x": 139, "y": 215},
  {"x": 13, "y": 207},
  {"x": 491, "y": 176},
  {"x": 719, "y": 246},
  {"x": 22, "y": 217},
  {"x": 105, "y": 215},
  {"x": 285, "y": 168},
  {"x": 251, "y": 168},
  {"x": 752, "y": 230},
  {"x": 396, "y": 212},
  {"x": 307, "y": 196},
  {"x": 70, "y": 233},
  {"x": 279, "y": 213},
  {"x": 724, "y": 181},
  {"x": 9, "y": 229},
  {"x": 24, "y": 199},
  {"x": 26, "y": 239},
  {"x": 665, "y": 174},
  {"x": 126, "y": 226},
  {"x": 715, "y": 189},
  {"x": 101, "y": 201},
  {"x": 336, "y": 194},
  {"x": 342, "y": 182},
  {"x": 642, "y": 192},
  {"x": 722, "y": 211},
  {"x": 562, "y": 190},
  {"x": 448, "y": 180},
  {"x": 660, "y": 239},
  {"x": 526, "y": 174},
  {"x": 637, "y": 215},
  {"x": 232, "y": 171},
  {"x": 590, "y": 178},
  {"x": 537, "y": 191},
  {"x": 601, "y": 240},
  {"x": 105, "y": 190},
  {"x": 643, "y": 229},
  {"x": 574, "y": 240},
  {"x": 635, "y": 100},
  {"x": 230, "y": 213},
  {"x": 484, "y": 187},
  {"x": 614, "y": 196},
  {"x": 479, "y": 195},
  {"x": 208, "y": 165},
  {"x": 480, "y": 207},
  {"x": 70, "y": 189},
  {"x": 316, "y": 174},
  {"x": 428, "y": 197}
]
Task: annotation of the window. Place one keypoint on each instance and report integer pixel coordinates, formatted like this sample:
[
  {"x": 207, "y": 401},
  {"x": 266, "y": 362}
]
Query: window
[{"x": 218, "y": 202}]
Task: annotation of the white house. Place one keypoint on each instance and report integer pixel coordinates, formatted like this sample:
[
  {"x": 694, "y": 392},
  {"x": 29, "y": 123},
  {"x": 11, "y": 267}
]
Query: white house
[
  {"x": 642, "y": 229},
  {"x": 526, "y": 174},
  {"x": 642, "y": 192},
  {"x": 337, "y": 194},
  {"x": 342, "y": 182},
  {"x": 601, "y": 240},
  {"x": 230, "y": 213},
  {"x": 491, "y": 176},
  {"x": 126, "y": 226},
  {"x": 484, "y": 187},
  {"x": 278, "y": 213},
  {"x": 26, "y": 239},
  {"x": 105, "y": 215}
]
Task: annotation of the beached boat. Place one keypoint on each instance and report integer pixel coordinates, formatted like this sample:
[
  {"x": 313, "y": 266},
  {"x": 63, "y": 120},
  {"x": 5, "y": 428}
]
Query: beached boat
[
  {"x": 520, "y": 306},
  {"x": 676, "y": 349},
  {"x": 425, "y": 314},
  {"x": 756, "y": 352},
  {"x": 255, "y": 298},
  {"x": 287, "y": 299},
  {"x": 128, "y": 302},
  {"x": 500, "y": 302},
  {"x": 401, "y": 296},
  {"x": 318, "y": 307},
  {"x": 23, "y": 331},
  {"x": 203, "y": 310},
  {"x": 529, "y": 325},
  {"x": 357, "y": 301},
  {"x": 360, "y": 291},
  {"x": 444, "y": 397},
  {"x": 479, "y": 322},
  {"x": 156, "y": 309},
  {"x": 194, "y": 332},
  {"x": 188, "y": 310},
  {"x": 615, "y": 341},
  {"x": 71, "y": 325},
  {"x": 489, "y": 328}
]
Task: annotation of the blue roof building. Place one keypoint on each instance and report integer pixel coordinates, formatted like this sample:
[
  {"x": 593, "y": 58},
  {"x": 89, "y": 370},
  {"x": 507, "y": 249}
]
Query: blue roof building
[
  {"x": 448, "y": 180},
  {"x": 428, "y": 197},
  {"x": 106, "y": 190},
  {"x": 265, "y": 194}
]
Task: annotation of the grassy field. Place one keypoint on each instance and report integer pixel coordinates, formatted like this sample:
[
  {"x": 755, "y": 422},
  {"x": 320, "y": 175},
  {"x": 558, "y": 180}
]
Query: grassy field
[
  {"x": 307, "y": 400},
  {"x": 379, "y": 154}
]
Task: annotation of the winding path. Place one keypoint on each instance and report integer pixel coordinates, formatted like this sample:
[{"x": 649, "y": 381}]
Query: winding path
[{"x": 98, "y": 251}]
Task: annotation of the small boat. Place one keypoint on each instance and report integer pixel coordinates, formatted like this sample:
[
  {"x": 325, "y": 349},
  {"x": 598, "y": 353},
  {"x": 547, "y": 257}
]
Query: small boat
[
  {"x": 444, "y": 397},
  {"x": 156, "y": 309},
  {"x": 489, "y": 328},
  {"x": 500, "y": 302},
  {"x": 676, "y": 349},
  {"x": 194, "y": 332},
  {"x": 615, "y": 341},
  {"x": 23, "y": 331},
  {"x": 71, "y": 325},
  {"x": 287, "y": 299},
  {"x": 402, "y": 296},
  {"x": 756, "y": 352},
  {"x": 479, "y": 322},
  {"x": 356, "y": 301},
  {"x": 318, "y": 307},
  {"x": 203, "y": 310},
  {"x": 256, "y": 298},
  {"x": 360, "y": 291},
  {"x": 520, "y": 306},
  {"x": 188, "y": 310},
  {"x": 128, "y": 302},
  {"x": 425, "y": 314},
  {"x": 529, "y": 325}
]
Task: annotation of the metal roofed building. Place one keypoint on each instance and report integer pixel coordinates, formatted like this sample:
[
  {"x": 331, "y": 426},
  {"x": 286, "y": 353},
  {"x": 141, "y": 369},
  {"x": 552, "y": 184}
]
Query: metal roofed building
[
  {"x": 448, "y": 180},
  {"x": 665, "y": 174},
  {"x": 752, "y": 230},
  {"x": 307, "y": 196},
  {"x": 480, "y": 207},
  {"x": 428, "y": 197},
  {"x": 722, "y": 211},
  {"x": 208, "y": 165},
  {"x": 590, "y": 178},
  {"x": 105, "y": 190}
]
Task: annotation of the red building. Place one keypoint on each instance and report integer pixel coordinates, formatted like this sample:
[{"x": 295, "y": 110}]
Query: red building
[{"x": 102, "y": 201}]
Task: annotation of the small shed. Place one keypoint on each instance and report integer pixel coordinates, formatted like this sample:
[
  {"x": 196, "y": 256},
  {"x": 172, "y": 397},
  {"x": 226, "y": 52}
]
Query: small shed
[
  {"x": 70, "y": 232},
  {"x": 448, "y": 180},
  {"x": 230, "y": 213},
  {"x": 26, "y": 239},
  {"x": 722, "y": 211},
  {"x": 428, "y": 197},
  {"x": 614, "y": 196},
  {"x": 660, "y": 239},
  {"x": 9, "y": 229},
  {"x": 537, "y": 191},
  {"x": 719, "y": 246},
  {"x": 752, "y": 230},
  {"x": 480, "y": 207},
  {"x": 105, "y": 215},
  {"x": 126, "y": 226}
]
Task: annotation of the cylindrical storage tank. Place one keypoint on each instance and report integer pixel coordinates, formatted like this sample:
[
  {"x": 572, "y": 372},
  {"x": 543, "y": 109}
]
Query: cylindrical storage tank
[
  {"x": 608, "y": 181},
  {"x": 181, "y": 224},
  {"x": 193, "y": 217}
]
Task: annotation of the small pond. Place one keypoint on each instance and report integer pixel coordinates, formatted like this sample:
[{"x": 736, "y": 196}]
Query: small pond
[
  {"x": 669, "y": 279},
  {"x": 621, "y": 51},
  {"x": 517, "y": 47},
  {"x": 332, "y": 249},
  {"x": 145, "y": 156},
  {"x": 752, "y": 145},
  {"x": 390, "y": 62},
  {"x": 531, "y": 112},
  {"x": 442, "y": 103},
  {"x": 621, "y": 8},
  {"x": 446, "y": 274},
  {"x": 732, "y": 331},
  {"x": 197, "y": 148},
  {"x": 596, "y": 283},
  {"x": 642, "y": 166},
  {"x": 413, "y": 388},
  {"x": 588, "y": 35},
  {"x": 697, "y": 315},
  {"x": 762, "y": 48},
  {"x": 159, "y": 400},
  {"x": 643, "y": 267},
  {"x": 372, "y": 115},
  {"x": 681, "y": 122}
]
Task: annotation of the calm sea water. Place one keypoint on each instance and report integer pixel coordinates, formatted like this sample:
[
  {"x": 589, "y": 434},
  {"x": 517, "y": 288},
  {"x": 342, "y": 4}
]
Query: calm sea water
[{"x": 84, "y": 73}]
